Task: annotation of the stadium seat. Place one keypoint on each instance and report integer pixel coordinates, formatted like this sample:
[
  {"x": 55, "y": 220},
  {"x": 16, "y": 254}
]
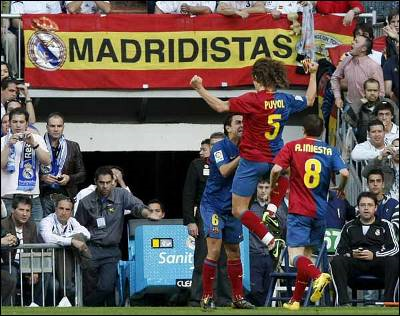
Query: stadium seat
[{"x": 288, "y": 275}]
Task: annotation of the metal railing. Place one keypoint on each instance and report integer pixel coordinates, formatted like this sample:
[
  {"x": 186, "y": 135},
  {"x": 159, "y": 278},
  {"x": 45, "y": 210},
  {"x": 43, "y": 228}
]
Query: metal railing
[
  {"x": 345, "y": 142},
  {"x": 41, "y": 259}
]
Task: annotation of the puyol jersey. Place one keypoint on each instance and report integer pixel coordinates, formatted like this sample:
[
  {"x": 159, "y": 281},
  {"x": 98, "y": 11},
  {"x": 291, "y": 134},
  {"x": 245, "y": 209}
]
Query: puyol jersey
[
  {"x": 311, "y": 163},
  {"x": 264, "y": 116},
  {"x": 217, "y": 192}
]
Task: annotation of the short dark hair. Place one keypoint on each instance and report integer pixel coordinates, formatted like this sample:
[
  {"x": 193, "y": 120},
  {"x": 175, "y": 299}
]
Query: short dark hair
[
  {"x": 103, "y": 170},
  {"x": 263, "y": 179},
  {"x": 375, "y": 122},
  {"x": 19, "y": 111},
  {"x": 376, "y": 171},
  {"x": 205, "y": 141},
  {"x": 217, "y": 135},
  {"x": 383, "y": 105},
  {"x": 368, "y": 44},
  {"x": 370, "y": 80},
  {"x": 392, "y": 14},
  {"x": 6, "y": 82},
  {"x": 370, "y": 195},
  {"x": 228, "y": 121},
  {"x": 157, "y": 201},
  {"x": 20, "y": 198},
  {"x": 313, "y": 125},
  {"x": 62, "y": 197},
  {"x": 55, "y": 114},
  {"x": 365, "y": 28}
]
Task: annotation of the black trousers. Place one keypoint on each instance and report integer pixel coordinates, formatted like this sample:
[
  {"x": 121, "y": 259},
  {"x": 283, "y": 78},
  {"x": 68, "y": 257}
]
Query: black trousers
[
  {"x": 345, "y": 267},
  {"x": 222, "y": 286}
]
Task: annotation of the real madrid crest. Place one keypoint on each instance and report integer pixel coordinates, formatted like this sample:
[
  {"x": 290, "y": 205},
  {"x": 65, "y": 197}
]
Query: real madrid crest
[
  {"x": 28, "y": 171},
  {"x": 46, "y": 50}
]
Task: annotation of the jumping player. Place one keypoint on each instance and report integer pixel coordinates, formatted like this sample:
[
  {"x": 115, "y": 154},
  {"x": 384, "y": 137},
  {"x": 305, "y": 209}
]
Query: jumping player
[
  {"x": 311, "y": 162},
  {"x": 265, "y": 113}
]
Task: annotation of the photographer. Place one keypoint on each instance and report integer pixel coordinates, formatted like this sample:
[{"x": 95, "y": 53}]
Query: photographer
[
  {"x": 367, "y": 245},
  {"x": 21, "y": 154}
]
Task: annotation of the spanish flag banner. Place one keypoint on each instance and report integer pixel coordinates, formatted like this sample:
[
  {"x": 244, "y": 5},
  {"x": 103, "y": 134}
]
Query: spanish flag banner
[{"x": 134, "y": 51}]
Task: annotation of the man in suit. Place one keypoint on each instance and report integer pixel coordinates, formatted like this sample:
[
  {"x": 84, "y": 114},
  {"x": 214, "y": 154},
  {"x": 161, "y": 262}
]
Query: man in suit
[
  {"x": 20, "y": 225},
  {"x": 66, "y": 170}
]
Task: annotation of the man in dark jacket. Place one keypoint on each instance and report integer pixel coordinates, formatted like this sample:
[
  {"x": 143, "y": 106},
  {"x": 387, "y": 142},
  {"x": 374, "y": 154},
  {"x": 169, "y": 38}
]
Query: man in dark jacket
[
  {"x": 367, "y": 245},
  {"x": 66, "y": 170}
]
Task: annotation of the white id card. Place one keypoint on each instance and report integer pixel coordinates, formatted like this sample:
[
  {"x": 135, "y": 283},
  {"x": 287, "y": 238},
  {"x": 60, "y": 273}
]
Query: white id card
[
  {"x": 206, "y": 172},
  {"x": 101, "y": 222}
]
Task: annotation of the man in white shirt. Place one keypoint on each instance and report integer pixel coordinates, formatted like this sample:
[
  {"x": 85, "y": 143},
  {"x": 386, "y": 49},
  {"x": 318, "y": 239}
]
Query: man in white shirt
[
  {"x": 88, "y": 7},
  {"x": 62, "y": 229},
  {"x": 240, "y": 8},
  {"x": 185, "y": 7},
  {"x": 375, "y": 144},
  {"x": 21, "y": 153},
  {"x": 33, "y": 7}
]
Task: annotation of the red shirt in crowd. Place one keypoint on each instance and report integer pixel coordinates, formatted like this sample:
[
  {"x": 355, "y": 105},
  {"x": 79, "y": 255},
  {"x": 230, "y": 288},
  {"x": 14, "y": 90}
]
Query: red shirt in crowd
[{"x": 326, "y": 7}]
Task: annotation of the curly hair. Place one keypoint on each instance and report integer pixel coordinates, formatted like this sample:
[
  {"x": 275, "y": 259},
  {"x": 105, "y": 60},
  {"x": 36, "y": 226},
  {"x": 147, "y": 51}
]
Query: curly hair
[{"x": 270, "y": 72}]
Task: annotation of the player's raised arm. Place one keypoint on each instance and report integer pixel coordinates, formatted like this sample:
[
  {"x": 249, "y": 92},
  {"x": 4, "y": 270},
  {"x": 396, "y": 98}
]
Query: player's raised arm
[
  {"x": 215, "y": 103},
  {"x": 311, "y": 92}
]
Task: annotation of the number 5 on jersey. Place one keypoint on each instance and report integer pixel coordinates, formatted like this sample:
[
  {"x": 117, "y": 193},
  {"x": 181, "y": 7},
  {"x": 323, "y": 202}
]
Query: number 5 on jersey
[{"x": 273, "y": 120}]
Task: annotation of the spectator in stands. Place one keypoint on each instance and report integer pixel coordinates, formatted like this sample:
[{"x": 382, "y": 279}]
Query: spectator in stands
[
  {"x": 88, "y": 7},
  {"x": 196, "y": 178},
  {"x": 5, "y": 124},
  {"x": 388, "y": 208},
  {"x": 157, "y": 208},
  {"x": 8, "y": 282},
  {"x": 276, "y": 8},
  {"x": 367, "y": 28},
  {"x": 391, "y": 30},
  {"x": 356, "y": 69},
  {"x": 66, "y": 170},
  {"x": 384, "y": 111},
  {"x": 8, "y": 43},
  {"x": 20, "y": 225},
  {"x": 240, "y": 8},
  {"x": 5, "y": 70},
  {"x": 391, "y": 76},
  {"x": 21, "y": 176},
  {"x": 185, "y": 7},
  {"x": 261, "y": 264},
  {"x": 373, "y": 146},
  {"x": 351, "y": 8},
  {"x": 363, "y": 111},
  {"x": 33, "y": 7},
  {"x": 102, "y": 213},
  {"x": 8, "y": 91},
  {"x": 62, "y": 229},
  {"x": 367, "y": 245},
  {"x": 388, "y": 162},
  {"x": 17, "y": 104}
]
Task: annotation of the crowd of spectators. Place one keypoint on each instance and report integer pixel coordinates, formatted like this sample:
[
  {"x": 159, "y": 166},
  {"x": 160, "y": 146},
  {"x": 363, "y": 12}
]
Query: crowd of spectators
[{"x": 41, "y": 196}]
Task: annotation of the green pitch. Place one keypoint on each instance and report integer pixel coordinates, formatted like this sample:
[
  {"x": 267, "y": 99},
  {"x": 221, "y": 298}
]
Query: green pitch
[{"x": 195, "y": 311}]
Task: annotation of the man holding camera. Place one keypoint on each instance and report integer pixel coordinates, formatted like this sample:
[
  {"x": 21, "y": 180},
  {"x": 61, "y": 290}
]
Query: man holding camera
[
  {"x": 21, "y": 154},
  {"x": 66, "y": 169},
  {"x": 367, "y": 245}
]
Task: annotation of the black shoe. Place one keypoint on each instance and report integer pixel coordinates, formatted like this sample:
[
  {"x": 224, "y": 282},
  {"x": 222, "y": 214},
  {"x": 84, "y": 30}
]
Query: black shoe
[
  {"x": 207, "y": 303},
  {"x": 241, "y": 303}
]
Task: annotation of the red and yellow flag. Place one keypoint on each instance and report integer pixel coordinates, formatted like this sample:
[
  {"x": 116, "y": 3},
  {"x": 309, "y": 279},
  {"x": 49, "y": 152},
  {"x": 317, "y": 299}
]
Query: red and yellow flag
[{"x": 132, "y": 51}]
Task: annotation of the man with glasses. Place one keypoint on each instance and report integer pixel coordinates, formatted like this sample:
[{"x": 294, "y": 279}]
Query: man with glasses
[{"x": 367, "y": 245}]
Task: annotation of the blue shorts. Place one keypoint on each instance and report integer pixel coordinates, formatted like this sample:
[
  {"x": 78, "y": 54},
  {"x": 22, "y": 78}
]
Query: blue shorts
[
  {"x": 247, "y": 175},
  {"x": 305, "y": 231},
  {"x": 225, "y": 227}
]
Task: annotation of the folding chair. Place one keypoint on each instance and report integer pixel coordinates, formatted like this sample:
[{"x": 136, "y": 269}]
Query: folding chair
[{"x": 289, "y": 274}]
